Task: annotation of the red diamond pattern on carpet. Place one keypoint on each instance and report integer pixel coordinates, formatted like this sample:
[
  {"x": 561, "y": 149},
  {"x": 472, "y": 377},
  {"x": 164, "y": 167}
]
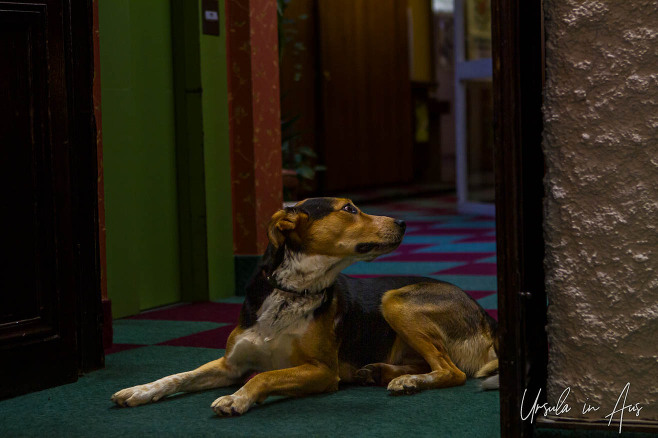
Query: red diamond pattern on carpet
[
  {"x": 471, "y": 269},
  {"x": 478, "y": 239},
  {"x": 205, "y": 311},
  {"x": 115, "y": 348},
  {"x": 435, "y": 232},
  {"x": 478, "y": 294},
  {"x": 446, "y": 231},
  {"x": 468, "y": 257},
  {"x": 215, "y": 338}
]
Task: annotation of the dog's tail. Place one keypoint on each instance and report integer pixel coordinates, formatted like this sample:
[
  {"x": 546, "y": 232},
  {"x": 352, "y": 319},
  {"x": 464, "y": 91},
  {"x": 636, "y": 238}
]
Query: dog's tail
[{"x": 490, "y": 371}]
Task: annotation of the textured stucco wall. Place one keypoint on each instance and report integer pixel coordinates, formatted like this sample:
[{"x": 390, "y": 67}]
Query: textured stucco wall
[{"x": 601, "y": 146}]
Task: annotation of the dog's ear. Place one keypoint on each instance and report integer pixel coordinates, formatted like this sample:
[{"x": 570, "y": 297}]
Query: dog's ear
[{"x": 283, "y": 223}]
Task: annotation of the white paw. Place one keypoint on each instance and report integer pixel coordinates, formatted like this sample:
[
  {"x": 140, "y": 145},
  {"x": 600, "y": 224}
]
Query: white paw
[
  {"x": 406, "y": 384},
  {"x": 136, "y": 395},
  {"x": 230, "y": 405}
]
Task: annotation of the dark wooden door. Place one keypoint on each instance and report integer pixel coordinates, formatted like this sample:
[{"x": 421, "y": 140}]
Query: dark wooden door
[
  {"x": 49, "y": 289},
  {"x": 366, "y": 93},
  {"x": 518, "y": 66}
]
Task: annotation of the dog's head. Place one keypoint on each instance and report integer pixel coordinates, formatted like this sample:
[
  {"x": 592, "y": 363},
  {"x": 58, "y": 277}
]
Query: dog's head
[{"x": 335, "y": 227}]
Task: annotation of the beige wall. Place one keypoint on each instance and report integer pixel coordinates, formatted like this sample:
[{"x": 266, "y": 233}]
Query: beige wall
[{"x": 601, "y": 145}]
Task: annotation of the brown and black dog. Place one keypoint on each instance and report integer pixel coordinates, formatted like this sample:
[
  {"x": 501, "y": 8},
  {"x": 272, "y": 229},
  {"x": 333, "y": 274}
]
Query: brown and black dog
[{"x": 305, "y": 327}]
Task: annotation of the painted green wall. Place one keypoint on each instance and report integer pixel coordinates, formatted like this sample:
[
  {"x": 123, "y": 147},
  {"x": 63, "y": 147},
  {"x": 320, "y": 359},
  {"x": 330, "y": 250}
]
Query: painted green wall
[
  {"x": 141, "y": 163},
  {"x": 139, "y": 154},
  {"x": 217, "y": 161}
]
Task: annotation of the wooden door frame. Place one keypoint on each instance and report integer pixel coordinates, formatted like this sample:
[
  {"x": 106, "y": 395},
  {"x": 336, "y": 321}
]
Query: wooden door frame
[
  {"x": 84, "y": 184},
  {"x": 63, "y": 337},
  {"x": 519, "y": 170}
]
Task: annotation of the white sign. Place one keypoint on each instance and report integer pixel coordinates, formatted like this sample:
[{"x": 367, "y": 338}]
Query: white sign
[{"x": 211, "y": 16}]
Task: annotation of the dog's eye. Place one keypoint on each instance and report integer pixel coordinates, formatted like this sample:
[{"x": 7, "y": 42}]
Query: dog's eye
[{"x": 350, "y": 208}]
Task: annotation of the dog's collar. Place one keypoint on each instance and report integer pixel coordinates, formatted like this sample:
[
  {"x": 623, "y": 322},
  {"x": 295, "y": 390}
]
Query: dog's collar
[{"x": 306, "y": 292}]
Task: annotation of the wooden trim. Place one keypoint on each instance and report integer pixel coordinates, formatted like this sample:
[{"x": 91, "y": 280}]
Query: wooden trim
[
  {"x": 99, "y": 153},
  {"x": 108, "y": 331},
  {"x": 84, "y": 184},
  {"x": 519, "y": 167},
  {"x": 102, "y": 252},
  {"x": 432, "y": 35}
]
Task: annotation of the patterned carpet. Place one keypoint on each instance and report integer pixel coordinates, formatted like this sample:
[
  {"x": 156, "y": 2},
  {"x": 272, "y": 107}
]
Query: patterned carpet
[
  {"x": 442, "y": 244},
  {"x": 439, "y": 243}
]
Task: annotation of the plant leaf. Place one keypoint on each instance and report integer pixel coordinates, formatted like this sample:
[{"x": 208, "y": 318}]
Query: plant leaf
[
  {"x": 305, "y": 150},
  {"x": 305, "y": 172},
  {"x": 286, "y": 124}
]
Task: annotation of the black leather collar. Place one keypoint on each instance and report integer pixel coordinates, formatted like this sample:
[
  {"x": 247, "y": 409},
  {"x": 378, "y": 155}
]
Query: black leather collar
[{"x": 306, "y": 292}]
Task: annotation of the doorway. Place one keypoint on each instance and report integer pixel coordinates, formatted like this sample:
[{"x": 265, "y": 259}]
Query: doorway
[
  {"x": 50, "y": 309},
  {"x": 473, "y": 106}
]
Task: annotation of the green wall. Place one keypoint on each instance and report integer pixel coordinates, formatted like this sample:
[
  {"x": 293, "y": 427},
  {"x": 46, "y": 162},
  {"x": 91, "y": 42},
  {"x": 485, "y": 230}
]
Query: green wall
[
  {"x": 217, "y": 161},
  {"x": 139, "y": 155},
  {"x": 141, "y": 161}
]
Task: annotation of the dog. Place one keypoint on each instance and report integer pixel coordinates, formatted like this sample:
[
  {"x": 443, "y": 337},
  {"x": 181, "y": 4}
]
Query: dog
[{"x": 305, "y": 327}]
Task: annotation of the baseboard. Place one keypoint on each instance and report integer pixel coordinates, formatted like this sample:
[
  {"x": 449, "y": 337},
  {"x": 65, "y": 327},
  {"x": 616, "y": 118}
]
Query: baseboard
[
  {"x": 245, "y": 267},
  {"x": 629, "y": 425},
  {"x": 108, "y": 334}
]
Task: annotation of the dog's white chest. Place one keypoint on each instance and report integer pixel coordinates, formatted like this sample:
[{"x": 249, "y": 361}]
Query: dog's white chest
[{"x": 268, "y": 344}]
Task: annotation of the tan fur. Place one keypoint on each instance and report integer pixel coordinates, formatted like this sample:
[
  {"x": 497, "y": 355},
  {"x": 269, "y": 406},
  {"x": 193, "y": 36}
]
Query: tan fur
[
  {"x": 296, "y": 352},
  {"x": 214, "y": 374},
  {"x": 314, "y": 369},
  {"x": 337, "y": 234},
  {"x": 426, "y": 337}
]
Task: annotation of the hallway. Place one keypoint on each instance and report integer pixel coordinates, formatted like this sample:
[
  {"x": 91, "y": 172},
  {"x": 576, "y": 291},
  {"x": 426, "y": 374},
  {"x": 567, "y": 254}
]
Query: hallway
[{"x": 439, "y": 243}]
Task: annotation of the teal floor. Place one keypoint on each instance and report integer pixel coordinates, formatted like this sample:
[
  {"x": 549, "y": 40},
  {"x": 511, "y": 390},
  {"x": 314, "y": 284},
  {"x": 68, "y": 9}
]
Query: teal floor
[{"x": 84, "y": 408}]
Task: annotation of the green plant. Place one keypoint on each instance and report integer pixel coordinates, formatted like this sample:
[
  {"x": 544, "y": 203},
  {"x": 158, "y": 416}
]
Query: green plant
[
  {"x": 296, "y": 156},
  {"x": 300, "y": 158},
  {"x": 287, "y": 34}
]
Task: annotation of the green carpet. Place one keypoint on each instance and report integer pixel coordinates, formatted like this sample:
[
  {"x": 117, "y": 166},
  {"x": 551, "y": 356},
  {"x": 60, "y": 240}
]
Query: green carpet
[
  {"x": 135, "y": 331},
  {"x": 84, "y": 409}
]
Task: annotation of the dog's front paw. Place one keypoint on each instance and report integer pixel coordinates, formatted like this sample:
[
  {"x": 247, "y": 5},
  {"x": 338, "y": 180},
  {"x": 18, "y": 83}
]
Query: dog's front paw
[
  {"x": 230, "y": 405},
  {"x": 135, "y": 396},
  {"x": 406, "y": 384}
]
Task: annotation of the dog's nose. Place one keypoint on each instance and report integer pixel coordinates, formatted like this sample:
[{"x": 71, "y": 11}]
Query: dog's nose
[{"x": 400, "y": 223}]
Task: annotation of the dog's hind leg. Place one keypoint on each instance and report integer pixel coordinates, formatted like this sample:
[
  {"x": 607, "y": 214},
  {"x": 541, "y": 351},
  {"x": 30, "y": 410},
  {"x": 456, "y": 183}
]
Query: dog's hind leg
[
  {"x": 383, "y": 373},
  {"x": 414, "y": 318},
  {"x": 215, "y": 374},
  {"x": 401, "y": 360}
]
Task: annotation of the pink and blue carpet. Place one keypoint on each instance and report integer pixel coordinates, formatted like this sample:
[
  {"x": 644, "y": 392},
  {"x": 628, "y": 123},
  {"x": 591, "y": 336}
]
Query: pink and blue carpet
[{"x": 439, "y": 243}]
